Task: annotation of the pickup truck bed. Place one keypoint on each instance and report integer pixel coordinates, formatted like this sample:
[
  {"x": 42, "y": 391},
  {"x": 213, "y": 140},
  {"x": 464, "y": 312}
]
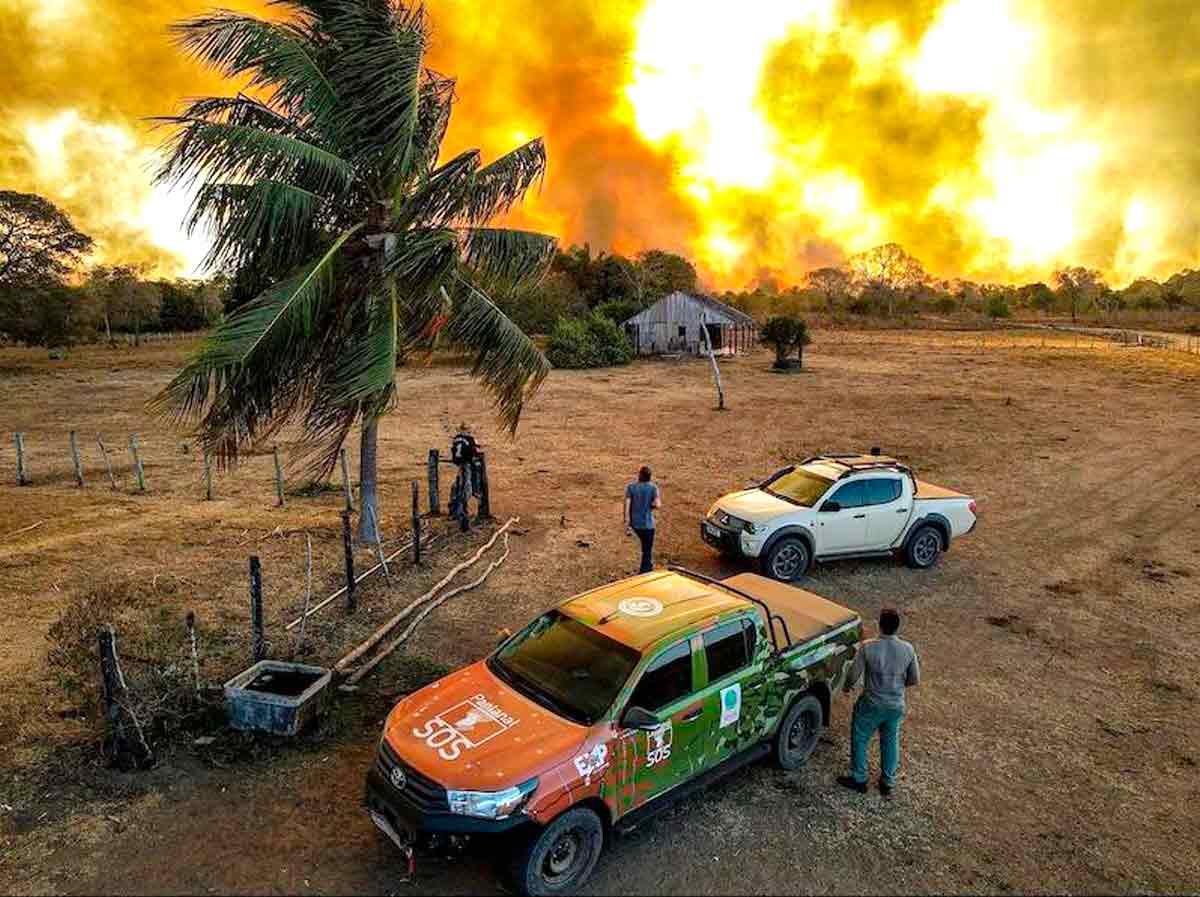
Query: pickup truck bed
[
  {"x": 807, "y": 616},
  {"x": 929, "y": 490}
]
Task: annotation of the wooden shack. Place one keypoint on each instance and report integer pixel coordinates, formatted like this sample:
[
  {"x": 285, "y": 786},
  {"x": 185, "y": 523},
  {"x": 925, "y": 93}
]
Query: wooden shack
[{"x": 671, "y": 326}]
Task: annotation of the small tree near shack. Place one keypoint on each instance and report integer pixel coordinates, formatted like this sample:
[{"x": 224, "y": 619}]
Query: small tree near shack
[{"x": 787, "y": 334}]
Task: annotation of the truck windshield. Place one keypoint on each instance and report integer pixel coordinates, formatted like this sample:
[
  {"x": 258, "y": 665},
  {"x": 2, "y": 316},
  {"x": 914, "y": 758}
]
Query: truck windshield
[
  {"x": 566, "y": 666},
  {"x": 799, "y": 486}
]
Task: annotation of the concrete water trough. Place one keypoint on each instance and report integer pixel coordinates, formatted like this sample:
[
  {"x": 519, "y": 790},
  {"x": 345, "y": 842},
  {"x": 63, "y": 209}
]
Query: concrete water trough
[{"x": 276, "y": 697}]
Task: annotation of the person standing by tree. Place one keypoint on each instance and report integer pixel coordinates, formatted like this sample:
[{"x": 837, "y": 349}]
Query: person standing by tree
[
  {"x": 886, "y": 666},
  {"x": 642, "y": 499}
]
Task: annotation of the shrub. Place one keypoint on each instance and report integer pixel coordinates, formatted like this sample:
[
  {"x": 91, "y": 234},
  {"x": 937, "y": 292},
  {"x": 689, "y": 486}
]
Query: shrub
[
  {"x": 997, "y": 307},
  {"x": 154, "y": 652},
  {"x": 786, "y": 333},
  {"x": 591, "y": 342},
  {"x": 619, "y": 310}
]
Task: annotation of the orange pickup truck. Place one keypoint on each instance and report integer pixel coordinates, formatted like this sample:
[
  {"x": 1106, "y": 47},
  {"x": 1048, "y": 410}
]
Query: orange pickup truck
[{"x": 604, "y": 710}]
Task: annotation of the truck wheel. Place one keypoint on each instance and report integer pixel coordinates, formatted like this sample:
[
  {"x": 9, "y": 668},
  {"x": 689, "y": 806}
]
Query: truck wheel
[
  {"x": 924, "y": 548},
  {"x": 787, "y": 560},
  {"x": 799, "y": 732},
  {"x": 559, "y": 859}
]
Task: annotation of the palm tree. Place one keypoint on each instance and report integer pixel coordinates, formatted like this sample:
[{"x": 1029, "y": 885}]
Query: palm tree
[{"x": 350, "y": 241}]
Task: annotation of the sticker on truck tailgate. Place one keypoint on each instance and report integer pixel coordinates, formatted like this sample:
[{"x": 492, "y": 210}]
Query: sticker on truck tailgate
[{"x": 464, "y": 726}]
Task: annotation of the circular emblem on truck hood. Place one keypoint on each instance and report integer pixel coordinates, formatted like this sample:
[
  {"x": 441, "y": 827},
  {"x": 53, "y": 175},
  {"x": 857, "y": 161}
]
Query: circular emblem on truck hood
[
  {"x": 641, "y": 607},
  {"x": 399, "y": 779}
]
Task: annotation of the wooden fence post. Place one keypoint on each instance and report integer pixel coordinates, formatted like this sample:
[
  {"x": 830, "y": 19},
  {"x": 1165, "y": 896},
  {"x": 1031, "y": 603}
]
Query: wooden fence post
[
  {"x": 258, "y": 641},
  {"x": 76, "y": 459},
  {"x": 112, "y": 480},
  {"x": 307, "y": 589},
  {"x": 138, "y": 470},
  {"x": 346, "y": 481},
  {"x": 348, "y": 551},
  {"x": 485, "y": 494},
  {"x": 22, "y": 475},
  {"x": 279, "y": 479},
  {"x": 124, "y": 741},
  {"x": 191, "y": 626},
  {"x": 416, "y": 522},
  {"x": 435, "y": 502},
  {"x": 207, "y": 477}
]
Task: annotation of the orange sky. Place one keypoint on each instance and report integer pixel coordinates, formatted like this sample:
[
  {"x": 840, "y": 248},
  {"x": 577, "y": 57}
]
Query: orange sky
[{"x": 993, "y": 138}]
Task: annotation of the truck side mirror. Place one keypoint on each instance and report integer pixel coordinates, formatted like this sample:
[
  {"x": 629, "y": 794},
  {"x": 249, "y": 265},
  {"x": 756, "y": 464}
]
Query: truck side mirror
[
  {"x": 640, "y": 719},
  {"x": 830, "y": 507}
]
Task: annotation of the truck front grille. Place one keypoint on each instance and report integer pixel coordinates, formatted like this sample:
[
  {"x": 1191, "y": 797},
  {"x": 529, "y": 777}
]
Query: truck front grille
[{"x": 419, "y": 790}]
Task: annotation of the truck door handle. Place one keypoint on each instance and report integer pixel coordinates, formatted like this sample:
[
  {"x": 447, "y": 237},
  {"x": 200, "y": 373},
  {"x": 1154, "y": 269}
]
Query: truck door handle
[
  {"x": 693, "y": 716},
  {"x": 860, "y": 516},
  {"x": 902, "y": 511}
]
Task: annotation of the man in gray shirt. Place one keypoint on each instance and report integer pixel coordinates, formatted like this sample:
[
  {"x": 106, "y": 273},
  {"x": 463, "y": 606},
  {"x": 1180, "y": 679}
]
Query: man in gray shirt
[
  {"x": 886, "y": 666},
  {"x": 641, "y": 499}
]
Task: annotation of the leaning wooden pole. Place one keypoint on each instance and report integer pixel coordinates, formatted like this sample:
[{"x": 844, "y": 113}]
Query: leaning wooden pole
[
  {"x": 258, "y": 637},
  {"x": 382, "y": 632},
  {"x": 713, "y": 359}
]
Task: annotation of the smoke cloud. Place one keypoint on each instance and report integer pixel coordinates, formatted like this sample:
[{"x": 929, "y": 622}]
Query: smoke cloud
[{"x": 992, "y": 138}]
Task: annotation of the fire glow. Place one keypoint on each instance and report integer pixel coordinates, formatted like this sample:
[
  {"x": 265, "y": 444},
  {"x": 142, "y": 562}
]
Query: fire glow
[{"x": 992, "y": 138}]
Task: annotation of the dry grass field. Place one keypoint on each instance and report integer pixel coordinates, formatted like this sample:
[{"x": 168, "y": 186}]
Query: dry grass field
[{"x": 1053, "y": 746}]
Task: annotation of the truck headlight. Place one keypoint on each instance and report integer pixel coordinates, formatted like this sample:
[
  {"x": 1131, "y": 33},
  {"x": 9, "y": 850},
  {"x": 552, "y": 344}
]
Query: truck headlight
[{"x": 491, "y": 804}]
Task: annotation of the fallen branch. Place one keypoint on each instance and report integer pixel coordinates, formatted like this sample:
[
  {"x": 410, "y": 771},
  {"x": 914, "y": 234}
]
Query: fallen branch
[
  {"x": 381, "y": 633},
  {"x": 358, "y": 579},
  {"x": 425, "y": 612},
  {"x": 25, "y": 530}
]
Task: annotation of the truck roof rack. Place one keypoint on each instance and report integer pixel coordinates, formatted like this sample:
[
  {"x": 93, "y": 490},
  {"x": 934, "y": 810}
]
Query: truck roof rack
[
  {"x": 772, "y": 617},
  {"x": 856, "y": 463}
]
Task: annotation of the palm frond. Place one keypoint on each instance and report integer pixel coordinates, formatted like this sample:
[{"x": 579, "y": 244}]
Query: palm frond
[
  {"x": 507, "y": 362},
  {"x": 279, "y": 325},
  {"x": 499, "y": 186},
  {"x": 377, "y": 73},
  {"x": 507, "y": 259},
  {"x": 277, "y": 56},
  {"x": 220, "y": 151},
  {"x": 275, "y": 220}
]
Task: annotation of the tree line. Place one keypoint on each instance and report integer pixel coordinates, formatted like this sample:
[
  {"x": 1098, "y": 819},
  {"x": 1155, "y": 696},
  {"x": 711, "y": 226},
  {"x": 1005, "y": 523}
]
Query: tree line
[
  {"x": 885, "y": 281},
  {"x": 47, "y": 298},
  {"x": 889, "y": 282}
]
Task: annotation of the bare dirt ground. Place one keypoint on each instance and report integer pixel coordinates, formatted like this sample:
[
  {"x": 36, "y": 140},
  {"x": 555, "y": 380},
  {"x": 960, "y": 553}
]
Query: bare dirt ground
[{"x": 1053, "y": 746}]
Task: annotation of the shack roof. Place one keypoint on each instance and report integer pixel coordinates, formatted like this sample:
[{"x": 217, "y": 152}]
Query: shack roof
[{"x": 681, "y": 306}]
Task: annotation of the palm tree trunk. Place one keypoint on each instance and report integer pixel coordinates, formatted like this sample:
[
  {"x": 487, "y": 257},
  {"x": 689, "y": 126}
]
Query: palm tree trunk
[{"x": 368, "y": 475}]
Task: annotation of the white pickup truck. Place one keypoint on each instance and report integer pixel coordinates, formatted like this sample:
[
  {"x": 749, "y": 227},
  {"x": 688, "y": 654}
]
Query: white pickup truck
[{"x": 838, "y": 506}]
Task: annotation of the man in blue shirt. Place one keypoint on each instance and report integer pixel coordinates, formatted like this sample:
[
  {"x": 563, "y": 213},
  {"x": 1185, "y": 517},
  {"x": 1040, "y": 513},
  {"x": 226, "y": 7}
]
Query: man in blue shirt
[{"x": 641, "y": 500}]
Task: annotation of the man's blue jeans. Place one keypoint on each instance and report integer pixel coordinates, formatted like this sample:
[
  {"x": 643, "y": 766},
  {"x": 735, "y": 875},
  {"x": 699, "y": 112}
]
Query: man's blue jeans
[
  {"x": 870, "y": 718},
  {"x": 646, "y": 537}
]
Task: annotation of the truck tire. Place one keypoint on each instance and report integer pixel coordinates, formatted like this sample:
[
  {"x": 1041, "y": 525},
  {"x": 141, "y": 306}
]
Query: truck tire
[
  {"x": 787, "y": 560},
  {"x": 559, "y": 858},
  {"x": 799, "y": 732},
  {"x": 924, "y": 548}
]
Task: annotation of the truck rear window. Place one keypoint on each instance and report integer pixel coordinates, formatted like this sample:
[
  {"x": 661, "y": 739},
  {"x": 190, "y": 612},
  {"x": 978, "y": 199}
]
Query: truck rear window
[
  {"x": 799, "y": 486},
  {"x": 566, "y": 666}
]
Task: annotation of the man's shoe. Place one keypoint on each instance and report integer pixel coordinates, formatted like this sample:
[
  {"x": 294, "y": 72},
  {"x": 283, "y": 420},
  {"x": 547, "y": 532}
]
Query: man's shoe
[
  {"x": 852, "y": 783},
  {"x": 885, "y": 789}
]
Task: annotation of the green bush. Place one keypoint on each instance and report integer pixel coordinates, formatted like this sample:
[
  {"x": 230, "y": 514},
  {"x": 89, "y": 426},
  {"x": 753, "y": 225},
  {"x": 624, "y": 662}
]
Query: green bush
[
  {"x": 997, "y": 307},
  {"x": 591, "y": 342},
  {"x": 619, "y": 310}
]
